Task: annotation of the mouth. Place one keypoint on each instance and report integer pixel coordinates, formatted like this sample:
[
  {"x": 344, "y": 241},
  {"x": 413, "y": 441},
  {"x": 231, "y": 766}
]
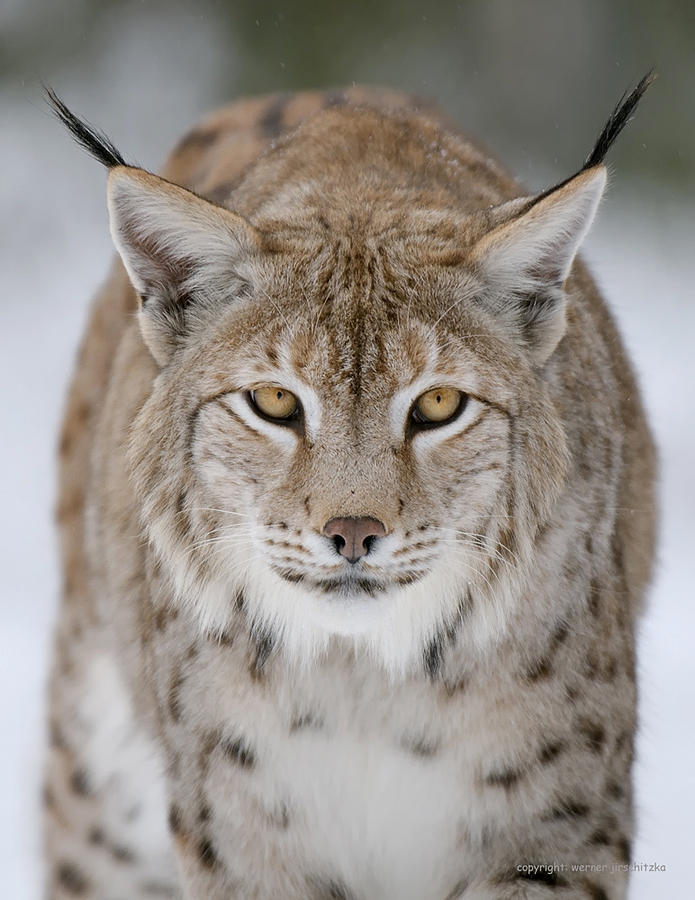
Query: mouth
[
  {"x": 346, "y": 587},
  {"x": 351, "y": 586}
]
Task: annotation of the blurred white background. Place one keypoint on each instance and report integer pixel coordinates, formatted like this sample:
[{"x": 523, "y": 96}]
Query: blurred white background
[{"x": 144, "y": 72}]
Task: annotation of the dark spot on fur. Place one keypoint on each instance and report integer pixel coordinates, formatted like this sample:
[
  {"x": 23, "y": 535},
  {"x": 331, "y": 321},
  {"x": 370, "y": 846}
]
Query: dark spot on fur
[
  {"x": 594, "y": 734},
  {"x": 568, "y": 809},
  {"x": 541, "y": 668},
  {"x": 209, "y": 744},
  {"x": 175, "y": 819},
  {"x": 225, "y": 638},
  {"x": 410, "y": 578},
  {"x": 96, "y": 837},
  {"x": 302, "y": 721},
  {"x": 594, "y": 599},
  {"x": 181, "y": 500},
  {"x": 591, "y": 666},
  {"x": 433, "y": 653},
  {"x": 48, "y": 797},
  {"x": 72, "y": 879},
  {"x": 271, "y": 122},
  {"x": 79, "y": 783},
  {"x": 331, "y": 889},
  {"x": 164, "y": 615},
  {"x": 573, "y": 693},
  {"x": 207, "y": 855},
  {"x": 599, "y": 838},
  {"x": 615, "y": 789},
  {"x": 504, "y": 778},
  {"x": 240, "y": 752},
  {"x": 122, "y": 854},
  {"x": 538, "y": 670},
  {"x": 174, "y": 699},
  {"x": 624, "y": 849},
  {"x": 595, "y": 891},
  {"x": 290, "y": 575},
  {"x": 560, "y": 635},
  {"x": 263, "y": 645},
  {"x": 204, "y": 813},
  {"x": 419, "y": 747},
  {"x": 433, "y": 657},
  {"x": 551, "y": 751}
]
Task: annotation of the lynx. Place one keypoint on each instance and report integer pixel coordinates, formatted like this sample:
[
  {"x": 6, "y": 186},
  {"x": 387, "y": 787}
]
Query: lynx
[{"x": 356, "y": 513}]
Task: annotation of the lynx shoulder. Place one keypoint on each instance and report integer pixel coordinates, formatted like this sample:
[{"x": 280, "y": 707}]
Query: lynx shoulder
[{"x": 357, "y": 517}]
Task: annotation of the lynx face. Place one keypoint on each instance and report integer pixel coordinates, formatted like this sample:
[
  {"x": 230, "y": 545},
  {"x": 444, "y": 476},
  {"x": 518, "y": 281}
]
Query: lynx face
[{"x": 368, "y": 448}]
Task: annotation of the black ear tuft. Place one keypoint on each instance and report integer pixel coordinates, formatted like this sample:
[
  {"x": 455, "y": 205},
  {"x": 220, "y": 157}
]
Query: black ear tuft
[
  {"x": 87, "y": 136},
  {"x": 618, "y": 119}
]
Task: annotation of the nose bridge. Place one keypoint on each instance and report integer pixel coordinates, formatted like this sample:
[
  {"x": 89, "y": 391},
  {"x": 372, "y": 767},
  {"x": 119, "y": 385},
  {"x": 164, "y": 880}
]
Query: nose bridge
[{"x": 352, "y": 479}]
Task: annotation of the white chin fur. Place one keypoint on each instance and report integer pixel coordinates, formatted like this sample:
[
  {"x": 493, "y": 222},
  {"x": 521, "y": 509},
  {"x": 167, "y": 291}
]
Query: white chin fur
[{"x": 393, "y": 628}]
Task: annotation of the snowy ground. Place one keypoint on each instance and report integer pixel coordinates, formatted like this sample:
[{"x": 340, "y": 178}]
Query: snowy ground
[{"x": 55, "y": 249}]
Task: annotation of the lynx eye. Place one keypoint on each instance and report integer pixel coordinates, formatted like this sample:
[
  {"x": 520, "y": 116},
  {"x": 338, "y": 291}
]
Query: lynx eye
[
  {"x": 438, "y": 406},
  {"x": 274, "y": 402}
]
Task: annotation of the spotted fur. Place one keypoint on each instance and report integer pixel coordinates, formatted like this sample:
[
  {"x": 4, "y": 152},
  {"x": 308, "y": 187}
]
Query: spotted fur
[{"x": 238, "y": 711}]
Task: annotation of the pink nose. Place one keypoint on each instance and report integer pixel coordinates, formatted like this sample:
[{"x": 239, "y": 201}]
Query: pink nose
[{"x": 353, "y": 536}]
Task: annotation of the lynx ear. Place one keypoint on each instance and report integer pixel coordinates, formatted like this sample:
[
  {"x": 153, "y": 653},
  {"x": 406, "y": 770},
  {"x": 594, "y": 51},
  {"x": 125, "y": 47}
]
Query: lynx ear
[
  {"x": 180, "y": 251},
  {"x": 525, "y": 261}
]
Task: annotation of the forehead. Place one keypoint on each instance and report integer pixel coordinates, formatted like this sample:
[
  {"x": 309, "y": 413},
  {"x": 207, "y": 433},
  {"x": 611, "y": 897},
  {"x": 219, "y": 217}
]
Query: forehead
[
  {"x": 361, "y": 295},
  {"x": 353, "y": 312}
]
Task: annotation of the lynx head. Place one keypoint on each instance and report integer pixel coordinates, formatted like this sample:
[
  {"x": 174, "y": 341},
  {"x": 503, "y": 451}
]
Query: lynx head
[{"x": 351, "y": 436}]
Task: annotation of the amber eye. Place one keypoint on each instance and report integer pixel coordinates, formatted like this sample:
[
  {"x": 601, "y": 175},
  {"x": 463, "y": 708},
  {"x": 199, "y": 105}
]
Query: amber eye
[
  {"x": 437, "y": 406},
  {"x": 275, "y": 402}
]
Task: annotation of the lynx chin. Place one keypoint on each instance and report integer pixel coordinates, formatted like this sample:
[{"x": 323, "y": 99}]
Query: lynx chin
[{"x": 357, "y": 517}]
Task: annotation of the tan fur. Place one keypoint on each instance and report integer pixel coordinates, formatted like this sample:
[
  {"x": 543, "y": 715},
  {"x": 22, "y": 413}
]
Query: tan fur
[{"x": 490, "y": 664}]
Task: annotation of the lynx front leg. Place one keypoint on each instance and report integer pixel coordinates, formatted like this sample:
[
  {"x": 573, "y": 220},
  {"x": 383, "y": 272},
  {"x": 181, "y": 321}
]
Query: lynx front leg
[
  {"x": 230, "y": 837},
  {"x": 105, "y": 818},
  {"x": 236, "y": 836}
]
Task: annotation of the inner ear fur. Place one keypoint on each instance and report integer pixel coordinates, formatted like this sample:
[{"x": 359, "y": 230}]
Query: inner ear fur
[
  {"x": 179, "y": 250},
  {"x": 525, "y": 261}
]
